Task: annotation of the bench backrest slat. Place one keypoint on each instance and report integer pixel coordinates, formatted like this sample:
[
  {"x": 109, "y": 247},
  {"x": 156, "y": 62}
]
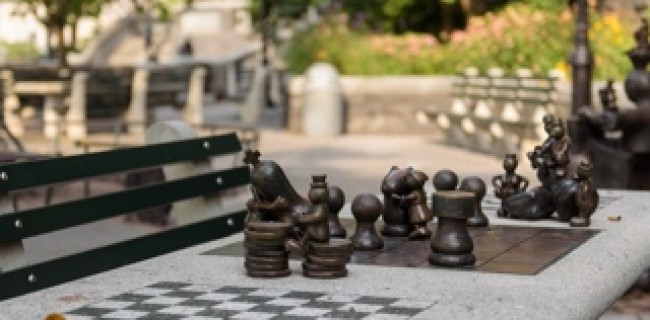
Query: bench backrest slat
[
  {"x": 51, "y": 218},
  {"x": 68, "y": 268},
  {"x": 32, "y": 174}
]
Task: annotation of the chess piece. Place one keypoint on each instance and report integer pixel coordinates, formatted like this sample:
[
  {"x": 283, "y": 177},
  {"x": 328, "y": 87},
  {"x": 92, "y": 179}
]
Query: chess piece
[
  {"x": 314, "y": 224},
  {"x": 335, "y": 203},
  {"x": 477, "y": 187},
  {"x": 586, "y": 196},
  {"x": 395, "y": 217},
  {"x": 551, "y": 159},
  {"x": 366, "y": 209},
  {"x": 510, "y": 183},
  {"x": 451, "y": 245},
  {"x": 266, "y": 256},
  {"x": 415, "y": 202},
  {"x": 445, "y": 180},
  {"x": 327, "y": 260}
]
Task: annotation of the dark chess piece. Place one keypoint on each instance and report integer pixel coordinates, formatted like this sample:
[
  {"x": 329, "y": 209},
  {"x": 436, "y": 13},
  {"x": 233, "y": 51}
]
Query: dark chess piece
[
  {"x": 445, "y": 180},
  {"x": 266, "y": 256},
  {"x": 335, "y": 203},
  {"x": 586, "y": 196},
  {"x": 551, "y": 159},
  {"x": 416, "y": 202},
  {"x": 327, "y": 260},
  {"x": 366, "y": 209},
  {"x": 314, "y": 224},
  {"x": 451, "y": 245},
  {"x": 396, "y": 223},
  {"x": 510, "y": 183},
  {"x": 477, "y": 187}
]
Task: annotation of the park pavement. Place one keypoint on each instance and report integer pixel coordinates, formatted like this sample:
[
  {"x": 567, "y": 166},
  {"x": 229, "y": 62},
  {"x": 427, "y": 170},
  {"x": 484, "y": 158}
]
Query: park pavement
[{"x": 356, "y": 163}]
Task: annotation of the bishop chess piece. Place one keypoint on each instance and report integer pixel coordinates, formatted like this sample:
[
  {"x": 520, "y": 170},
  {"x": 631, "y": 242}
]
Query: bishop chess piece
[
  {"x": 451, "y": 245},
  {"x": 477, "y": 187},
  {"x": 335, "y": 204},
  {"x": 586, "y": 196},
  {"x": 445, "y": 180},
  {"x": 366, "y": 209}
]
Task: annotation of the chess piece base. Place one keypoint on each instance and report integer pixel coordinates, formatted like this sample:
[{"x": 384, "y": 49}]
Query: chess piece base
[
  {"x": 478, "y": 221},
  {"x": 420, "y": 233},
  {"x": 579, "y": 222},
  {"x": 268, "y": 274},
  {"x": 325, "y": 274},
  {"x": 452, "y": 260},
  {"x": 396, "y": 230}
]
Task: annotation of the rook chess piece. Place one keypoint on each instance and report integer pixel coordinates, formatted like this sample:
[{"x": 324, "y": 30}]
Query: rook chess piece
[
  {"x": 451, "y": 245},
  {"x": 366, "y": 209},
  {"x": 476, "y": 186},
  {"x": 335, "y": 203}
]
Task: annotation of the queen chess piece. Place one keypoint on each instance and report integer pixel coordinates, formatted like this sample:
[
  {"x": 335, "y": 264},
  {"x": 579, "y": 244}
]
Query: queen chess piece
[
  {"x": 335, "y": 204},
  {"x": 451, "y": 245},
  {"x": 366, "y": 209},
  {"x": 477, "y": 186}
]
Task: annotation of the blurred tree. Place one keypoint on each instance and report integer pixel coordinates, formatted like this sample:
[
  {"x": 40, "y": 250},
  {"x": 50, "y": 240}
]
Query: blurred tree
[{"x": 56, "y": 16}]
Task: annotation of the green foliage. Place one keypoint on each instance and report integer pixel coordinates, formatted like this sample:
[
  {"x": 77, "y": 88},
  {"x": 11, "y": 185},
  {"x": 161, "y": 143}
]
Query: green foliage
[
  {"x": 18, "y": 51},
  {"x": 519, "y": 36}
]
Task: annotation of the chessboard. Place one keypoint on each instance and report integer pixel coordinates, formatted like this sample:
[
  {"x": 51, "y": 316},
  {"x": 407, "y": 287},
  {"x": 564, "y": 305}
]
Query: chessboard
[
  {"x": 501, "y": 249},
  {"x": 180, "y": 300}
]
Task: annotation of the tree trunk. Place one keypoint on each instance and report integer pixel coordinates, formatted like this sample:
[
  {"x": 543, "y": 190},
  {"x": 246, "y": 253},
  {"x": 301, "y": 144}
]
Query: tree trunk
[
  {"x": 61, "y": 49},
  {"x": 73, "y": 35}
]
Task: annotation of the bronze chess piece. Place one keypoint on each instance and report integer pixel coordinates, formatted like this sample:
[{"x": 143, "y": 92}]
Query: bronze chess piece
[
  {"x": 445, "y": 180},
  {"x": 327, "y": 260},
  {"x": 266, "y": 256},
  {"x": 366, "y": 209},
  {"x": 415, "y": 204},
  {"x": 586, "y": 196},
  {"x": 510, "y": 183},
  {"x": 451, "y": 245},
  {"x": 314, "y": 223},
  {"x": 477, "y": 186},
  {"x": 335, "y": 204},
  {"x": 394, "y": 215}
]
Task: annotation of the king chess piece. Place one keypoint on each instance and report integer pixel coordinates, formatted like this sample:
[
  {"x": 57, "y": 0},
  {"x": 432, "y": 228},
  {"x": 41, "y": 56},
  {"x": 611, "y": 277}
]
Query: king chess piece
[
  {"x": 366, "y": 209},
  {"x": 335, "y": 204},
  {"x": 451, "y": 245},
  {"x": 477, "y": 186}
]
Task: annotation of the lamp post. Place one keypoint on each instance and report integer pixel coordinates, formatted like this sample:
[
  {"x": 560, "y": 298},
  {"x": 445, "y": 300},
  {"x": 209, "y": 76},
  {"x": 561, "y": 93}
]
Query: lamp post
[
  {"x": 266, "y": 28},
  {"x": 582, "y": 60}
]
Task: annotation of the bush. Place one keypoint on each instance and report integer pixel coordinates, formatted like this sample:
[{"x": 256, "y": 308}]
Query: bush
[
  {"x": 520, "y": 36},
  {"x": 17, "y": 52}
]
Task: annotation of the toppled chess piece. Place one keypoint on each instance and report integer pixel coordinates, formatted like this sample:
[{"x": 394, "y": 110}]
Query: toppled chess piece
[
  {"x": 366, "y": 209},
  {"x": 477, "y": 186},
  {"x": 335, "y": 204},
  {"x": 451, "y": 245},
  {"x": 586, "y": 196},
  {"x": 508, "y": 184}
]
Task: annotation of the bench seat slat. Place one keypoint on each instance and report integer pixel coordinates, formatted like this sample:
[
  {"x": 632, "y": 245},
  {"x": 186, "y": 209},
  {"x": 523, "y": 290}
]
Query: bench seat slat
[
  {"x": 38, "y": 173},
  {"x": 60, "y": 216},
  {"x": 51, "y": 273}
]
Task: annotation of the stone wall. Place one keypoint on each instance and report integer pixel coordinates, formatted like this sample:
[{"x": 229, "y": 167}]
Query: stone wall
[{"x": 390, "y": 104}]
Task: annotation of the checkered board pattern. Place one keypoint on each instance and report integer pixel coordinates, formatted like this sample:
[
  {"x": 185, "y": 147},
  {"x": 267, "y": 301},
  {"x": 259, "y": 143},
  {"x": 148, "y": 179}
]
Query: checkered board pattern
[{"x": 178, "y": 300}]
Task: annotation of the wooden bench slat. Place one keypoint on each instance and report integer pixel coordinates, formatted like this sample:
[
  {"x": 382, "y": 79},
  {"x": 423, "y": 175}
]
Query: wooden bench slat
[
  {"x": 69, "y": 214},
  {"x": 38, "y": 173},
  {"x": 51, "y": 273}
]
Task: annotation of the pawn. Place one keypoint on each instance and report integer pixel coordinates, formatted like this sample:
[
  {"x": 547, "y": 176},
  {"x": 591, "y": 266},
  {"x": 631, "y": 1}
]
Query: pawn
[
  {"x": 445, "y": 180},
  {"x": 334, "y": 204},
  {"x": 476, "y": 186},
  {"x": 366, "y": 209}
]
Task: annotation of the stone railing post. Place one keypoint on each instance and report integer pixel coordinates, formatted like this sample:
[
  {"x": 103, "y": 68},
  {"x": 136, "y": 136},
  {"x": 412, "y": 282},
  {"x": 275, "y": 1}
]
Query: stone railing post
[
  {"x": 12, "y": 118},
  {"x": 193, "y": 112},
  {"x": 76, "y": 116},
  {"x": 136, "y": 116}
]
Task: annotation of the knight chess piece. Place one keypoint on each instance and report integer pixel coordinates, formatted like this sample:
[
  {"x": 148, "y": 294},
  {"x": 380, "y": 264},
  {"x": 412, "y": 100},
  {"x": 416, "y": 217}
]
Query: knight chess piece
[
  {"x": 586, "y": 196},
  {"x": 477, "y": 186},
  {"x": 335, "y": 203},
  {"x": 510, "y": 183},
  {"x": 327, "y": 260},
  {"x": 366, "y": 209},
  {"x": 451, "y": 245},
  {"x": 445, "y": 180}
]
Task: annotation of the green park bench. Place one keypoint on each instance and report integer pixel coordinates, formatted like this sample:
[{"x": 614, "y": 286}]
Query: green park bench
[
  {"x": 198, "y": 183},
  {"x": 497, "y": 113}
]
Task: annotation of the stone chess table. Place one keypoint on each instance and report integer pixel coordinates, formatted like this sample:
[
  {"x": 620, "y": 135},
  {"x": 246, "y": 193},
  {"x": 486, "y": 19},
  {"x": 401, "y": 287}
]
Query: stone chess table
[{"x": 207, "y": 281}]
